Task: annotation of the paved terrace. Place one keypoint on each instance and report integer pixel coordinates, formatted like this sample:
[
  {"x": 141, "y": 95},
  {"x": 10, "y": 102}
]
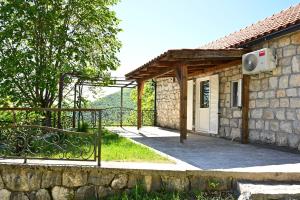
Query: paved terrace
[
  {"x": 211, "y": 153},
  {"x": 197, "y": 153}
]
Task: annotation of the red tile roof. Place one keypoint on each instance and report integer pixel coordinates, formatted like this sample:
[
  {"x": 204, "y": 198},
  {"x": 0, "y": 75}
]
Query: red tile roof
[{"x": 276, "y": 22}]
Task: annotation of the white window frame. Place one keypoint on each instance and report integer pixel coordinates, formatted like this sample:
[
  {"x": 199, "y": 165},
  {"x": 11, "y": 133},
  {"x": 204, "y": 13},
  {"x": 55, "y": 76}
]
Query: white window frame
[{"x": 239, "y": 93}]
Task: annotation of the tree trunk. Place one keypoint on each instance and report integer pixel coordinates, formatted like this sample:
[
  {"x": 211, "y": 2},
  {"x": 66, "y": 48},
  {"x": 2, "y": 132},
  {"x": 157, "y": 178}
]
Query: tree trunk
[
  {"x": 48, "y": 119},
  {"x": 60, "y": 99}
]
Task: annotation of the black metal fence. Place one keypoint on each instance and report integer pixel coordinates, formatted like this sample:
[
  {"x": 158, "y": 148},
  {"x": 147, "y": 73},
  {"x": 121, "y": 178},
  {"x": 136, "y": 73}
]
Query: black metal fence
[{"x": 61, "y": 134}]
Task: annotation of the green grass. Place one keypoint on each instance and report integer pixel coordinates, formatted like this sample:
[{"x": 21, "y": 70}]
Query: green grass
[
  {"x": 140, "y": 194},
  {"x": 116, "y": 148},
  {"x": 81, "y": 146}
]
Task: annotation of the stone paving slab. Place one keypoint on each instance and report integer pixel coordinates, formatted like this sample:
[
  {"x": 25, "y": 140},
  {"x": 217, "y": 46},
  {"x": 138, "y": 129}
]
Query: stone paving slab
[
  {"x": 180, "y": 166},
  {"x": 211, "y": 153},
  {"x": 266, "y": 188},
  {"x": 260, "y": 191}
]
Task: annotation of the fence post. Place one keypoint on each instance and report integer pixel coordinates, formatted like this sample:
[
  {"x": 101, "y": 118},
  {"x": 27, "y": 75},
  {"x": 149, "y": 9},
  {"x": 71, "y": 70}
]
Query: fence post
[
  {"x": 99, "y": 136},
  {"x": 154, "y": 118},
  {"x": 74, "y": 106},
  {"x": 25, "y": 156},
  {"x": 121, "y": 117},
  {"x": 25, "y": 160}
]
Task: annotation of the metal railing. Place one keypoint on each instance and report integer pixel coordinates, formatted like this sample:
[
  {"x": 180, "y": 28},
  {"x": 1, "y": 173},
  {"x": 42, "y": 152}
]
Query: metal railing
[{"x": 37, "y": 133}]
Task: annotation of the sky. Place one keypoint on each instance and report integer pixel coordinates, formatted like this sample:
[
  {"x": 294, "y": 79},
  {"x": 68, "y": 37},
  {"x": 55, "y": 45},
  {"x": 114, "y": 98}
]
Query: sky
[{"x": 151, "y": 27}]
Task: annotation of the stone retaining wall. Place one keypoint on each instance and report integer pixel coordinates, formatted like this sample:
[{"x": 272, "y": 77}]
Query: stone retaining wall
[
  {"x": 28, "y": 182},
  {"x": 23, "y": 182}
]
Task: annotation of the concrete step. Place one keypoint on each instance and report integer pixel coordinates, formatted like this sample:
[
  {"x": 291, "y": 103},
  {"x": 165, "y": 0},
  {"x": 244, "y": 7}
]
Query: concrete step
[{"x": 266, "y": 191}]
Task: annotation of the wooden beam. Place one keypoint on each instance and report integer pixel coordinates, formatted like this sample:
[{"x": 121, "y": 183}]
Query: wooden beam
[
  {"x": 216, "y": 69},
  {"x": 189, "y": 54},
  {"x": 140, "y": 89},
  {"x": 158, "y": 73},
  {"x": 194, "y": 62},
  {"x": 182, "y": 77},
  {"x": 245, "y": 109},
  {"x": 168, "y": 75}
]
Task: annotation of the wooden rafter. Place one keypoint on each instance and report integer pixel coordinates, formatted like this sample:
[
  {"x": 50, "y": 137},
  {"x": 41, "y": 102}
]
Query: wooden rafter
[{"x": 196, "y": 60}]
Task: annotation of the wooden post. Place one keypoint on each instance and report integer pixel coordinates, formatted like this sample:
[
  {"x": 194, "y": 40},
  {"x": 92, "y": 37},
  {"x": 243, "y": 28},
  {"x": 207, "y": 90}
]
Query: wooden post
[
  {"x": 245, "y": 109},
  {"x": 194, "y": 105},
  {"x": 80, "y": 88},
  {"x": 60, "y": 98},
  {"x": 121, "y": 108},
  {"x": 182, "y": 76},
  {"x": 155, "y": 105},
  {"x": 140, "y": 89}
]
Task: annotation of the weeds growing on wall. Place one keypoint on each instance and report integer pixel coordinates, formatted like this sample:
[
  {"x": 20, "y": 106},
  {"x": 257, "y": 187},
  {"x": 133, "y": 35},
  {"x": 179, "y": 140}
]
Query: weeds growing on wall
[{"x": 138, "y": 193}]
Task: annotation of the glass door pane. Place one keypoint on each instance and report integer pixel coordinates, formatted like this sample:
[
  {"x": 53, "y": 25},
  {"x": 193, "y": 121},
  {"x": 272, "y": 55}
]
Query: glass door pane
[{"x": 204, "y": 94}]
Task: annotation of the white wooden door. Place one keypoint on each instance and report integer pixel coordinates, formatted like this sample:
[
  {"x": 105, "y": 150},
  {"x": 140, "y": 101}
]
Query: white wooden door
[
  {"x": 214, "y": 104},
  {"x": 202, "y": 104},
  {"x": 207, "y": 104},
  {"x": 190, "y": 105}
]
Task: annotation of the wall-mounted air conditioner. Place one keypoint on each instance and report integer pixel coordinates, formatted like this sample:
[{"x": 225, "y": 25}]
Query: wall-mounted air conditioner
[{"x": 259, "y": 61}]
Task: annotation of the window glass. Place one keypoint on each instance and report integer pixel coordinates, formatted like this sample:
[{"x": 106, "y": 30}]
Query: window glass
[
  {"x": 234, "y": 94},
  {"x": 204, "y": 94}
]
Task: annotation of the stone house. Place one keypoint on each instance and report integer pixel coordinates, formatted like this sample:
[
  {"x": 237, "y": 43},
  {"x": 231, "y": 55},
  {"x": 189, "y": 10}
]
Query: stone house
[{"x": 204, "y": 90}]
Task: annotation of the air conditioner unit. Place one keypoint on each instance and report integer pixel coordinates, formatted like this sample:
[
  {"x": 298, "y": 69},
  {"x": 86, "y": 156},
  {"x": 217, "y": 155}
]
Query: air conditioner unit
[{"x": 259, "y": 61}]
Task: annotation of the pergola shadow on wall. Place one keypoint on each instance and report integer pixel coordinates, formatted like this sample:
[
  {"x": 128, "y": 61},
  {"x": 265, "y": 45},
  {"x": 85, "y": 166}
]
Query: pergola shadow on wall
[{"x": 185, "y": 64}]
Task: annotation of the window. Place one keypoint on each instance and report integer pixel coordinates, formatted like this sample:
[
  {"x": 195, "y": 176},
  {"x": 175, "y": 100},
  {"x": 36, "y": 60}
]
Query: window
[
  {"x": 236, "y": 93},
  {"x": 204, "y": 94}
]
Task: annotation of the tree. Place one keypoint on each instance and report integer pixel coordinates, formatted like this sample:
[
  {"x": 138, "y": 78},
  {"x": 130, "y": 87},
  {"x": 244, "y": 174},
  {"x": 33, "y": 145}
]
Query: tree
[{"x": 43, "y": 43}]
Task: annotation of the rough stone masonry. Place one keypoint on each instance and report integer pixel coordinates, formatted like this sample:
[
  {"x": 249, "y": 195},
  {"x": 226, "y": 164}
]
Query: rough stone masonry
[
  {"x": 25, "y": 182},
  {"x": 42, "y": 182}
]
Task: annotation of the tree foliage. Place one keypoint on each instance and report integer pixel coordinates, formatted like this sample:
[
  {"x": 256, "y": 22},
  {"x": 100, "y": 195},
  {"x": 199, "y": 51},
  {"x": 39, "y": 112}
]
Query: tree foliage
[
  {"x": 113, "y": 100},
  {"x": 147, "y": 98},
  {"x": 42, "y": 41},
  {"x": 147, "y": 104}
]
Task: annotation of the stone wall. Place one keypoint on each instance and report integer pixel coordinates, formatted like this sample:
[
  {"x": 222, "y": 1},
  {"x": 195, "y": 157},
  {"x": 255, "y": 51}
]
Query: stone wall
[
  {"x": 230, "y": 119},
  {"x": 274, "y": 112},
  {"x": 167, "y": 102},
  {"x": 31, "y": 182},
  {"x": 25, "y": 182},
  {"x": 275, "y": 97}
]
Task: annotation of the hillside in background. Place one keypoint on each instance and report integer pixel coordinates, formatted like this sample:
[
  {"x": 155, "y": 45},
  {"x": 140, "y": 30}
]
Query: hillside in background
[{"x": 113, "y": 100}]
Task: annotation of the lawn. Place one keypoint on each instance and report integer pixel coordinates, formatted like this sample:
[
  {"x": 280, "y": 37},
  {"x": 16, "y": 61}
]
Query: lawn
[
  {"x": 77, "y": 146},
  {"x": 116, "y": 148}
]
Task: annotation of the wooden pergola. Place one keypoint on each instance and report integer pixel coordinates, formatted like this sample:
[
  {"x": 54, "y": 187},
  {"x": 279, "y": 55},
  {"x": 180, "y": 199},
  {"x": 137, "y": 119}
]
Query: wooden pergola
[
  {"x": 184, "y": 64},
  {"x": 113, "y": 82}
]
